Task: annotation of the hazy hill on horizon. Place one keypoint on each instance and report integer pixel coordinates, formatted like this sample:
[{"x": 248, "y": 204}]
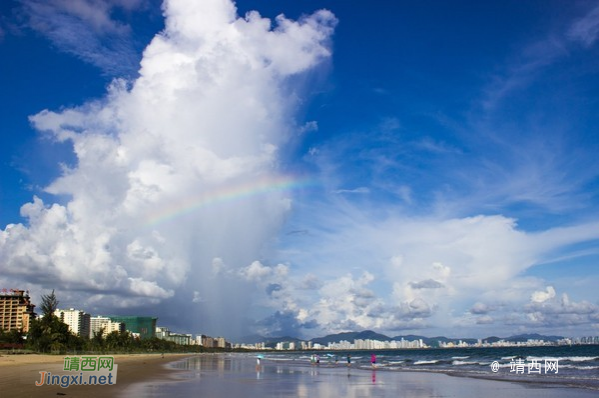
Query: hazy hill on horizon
[{"x": 371, "y": 335}]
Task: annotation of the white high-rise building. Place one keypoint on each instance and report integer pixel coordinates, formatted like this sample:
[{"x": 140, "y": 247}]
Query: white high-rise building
[
  {"x": 98, "y": 322},
  {"x": 197, "y": 340},
  {"x": 78, "y": 321}
]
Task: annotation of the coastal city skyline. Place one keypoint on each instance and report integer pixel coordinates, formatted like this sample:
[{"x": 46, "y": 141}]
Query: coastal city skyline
[
  {"x": 17, "y": 314},
  {"x": 305, "y": 168}
]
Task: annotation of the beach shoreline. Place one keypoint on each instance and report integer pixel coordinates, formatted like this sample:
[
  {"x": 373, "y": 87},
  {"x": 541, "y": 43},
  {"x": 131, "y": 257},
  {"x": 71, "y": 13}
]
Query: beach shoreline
[
  {"x": 230, "y": 374},
  {"x": 234, "y": 375},
  {"x": 19, "y": 373}
]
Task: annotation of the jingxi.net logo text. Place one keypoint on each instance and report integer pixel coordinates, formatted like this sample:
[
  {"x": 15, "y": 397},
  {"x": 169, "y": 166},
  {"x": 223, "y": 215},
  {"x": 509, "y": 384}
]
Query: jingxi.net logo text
[{"x": 90, "y": 371}]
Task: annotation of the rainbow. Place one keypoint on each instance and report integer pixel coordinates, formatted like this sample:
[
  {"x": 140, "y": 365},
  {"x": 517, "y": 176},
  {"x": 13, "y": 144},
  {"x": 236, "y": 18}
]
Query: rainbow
[{"x": 224, "y": 194}]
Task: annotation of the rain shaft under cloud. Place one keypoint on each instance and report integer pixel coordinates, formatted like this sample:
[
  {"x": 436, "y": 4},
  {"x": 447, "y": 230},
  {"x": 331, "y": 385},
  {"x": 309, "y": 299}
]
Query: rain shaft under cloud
[{"x": 176, "y": 172}]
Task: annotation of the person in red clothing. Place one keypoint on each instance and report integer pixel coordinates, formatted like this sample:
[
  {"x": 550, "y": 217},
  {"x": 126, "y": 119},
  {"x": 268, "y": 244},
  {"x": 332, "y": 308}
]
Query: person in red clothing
[{"x": 373, "y": 360}]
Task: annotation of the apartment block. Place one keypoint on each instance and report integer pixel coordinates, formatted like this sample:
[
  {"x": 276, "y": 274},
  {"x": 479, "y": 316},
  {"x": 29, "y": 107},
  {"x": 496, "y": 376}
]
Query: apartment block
[
  {"x": 103, "y": 322},
  {"x": 16, "y": 310},
  {"x": 77, "y": 320}
]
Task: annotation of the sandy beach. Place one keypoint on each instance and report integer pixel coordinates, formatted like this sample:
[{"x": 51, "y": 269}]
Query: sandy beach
[
  {"x": 238, "y": 376},
  {"x": 18, "y": 374},
  {"x": 235, "y": 375}
]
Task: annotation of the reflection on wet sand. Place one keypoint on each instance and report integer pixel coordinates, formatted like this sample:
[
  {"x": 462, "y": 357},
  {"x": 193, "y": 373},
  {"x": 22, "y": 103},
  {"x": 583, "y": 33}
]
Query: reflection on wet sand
[{"x": 239, "y": 375}]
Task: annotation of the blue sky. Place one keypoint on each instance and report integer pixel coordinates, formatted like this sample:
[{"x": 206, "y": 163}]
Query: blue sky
[{"x": 406, "y": 167}]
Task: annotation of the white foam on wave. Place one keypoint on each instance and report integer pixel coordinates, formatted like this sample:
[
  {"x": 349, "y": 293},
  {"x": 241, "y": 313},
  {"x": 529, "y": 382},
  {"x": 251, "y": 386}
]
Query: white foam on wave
[
  {"x": 425, "y": 362},
  {"x": 459, "y": 363},
  {"x": 579, "y": 367},
  {"x": 562, "y": 359}
]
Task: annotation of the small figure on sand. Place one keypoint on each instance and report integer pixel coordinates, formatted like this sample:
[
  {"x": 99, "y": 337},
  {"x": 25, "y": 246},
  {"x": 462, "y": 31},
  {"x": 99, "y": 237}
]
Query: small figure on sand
[
  {"x": 317, "y": 359},
  {"x": 348, "y": 360},
  {"x": 258, "y": 362},
  {"x": 373, "y": 360}
]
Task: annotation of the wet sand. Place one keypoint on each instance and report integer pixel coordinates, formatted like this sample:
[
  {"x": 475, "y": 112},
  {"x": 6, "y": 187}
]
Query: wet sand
[
  {"x": 18, "y": 374},
  {"x": 238, "y": 376}
]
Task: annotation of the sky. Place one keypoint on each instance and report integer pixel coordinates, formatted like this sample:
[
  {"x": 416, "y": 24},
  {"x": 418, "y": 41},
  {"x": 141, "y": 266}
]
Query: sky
[{"x": 304, "y": 168}]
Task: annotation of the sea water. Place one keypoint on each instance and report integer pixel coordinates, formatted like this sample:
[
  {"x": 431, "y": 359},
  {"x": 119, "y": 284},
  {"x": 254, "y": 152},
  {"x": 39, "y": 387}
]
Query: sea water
[
  {"x": 413, "y": 373},
  {"x": 576, "y": 366}
]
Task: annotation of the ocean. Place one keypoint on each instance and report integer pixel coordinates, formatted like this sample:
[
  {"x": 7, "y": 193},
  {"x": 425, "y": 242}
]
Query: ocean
[
  {"x": 572, "y": 366},
  {"x": 565, "y": 371}
]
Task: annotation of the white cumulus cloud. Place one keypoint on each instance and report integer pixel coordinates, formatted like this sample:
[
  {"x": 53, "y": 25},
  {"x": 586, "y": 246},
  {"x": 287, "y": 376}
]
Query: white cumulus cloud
[
  {"x": 542, "y": 296},
  {"x": 172, "y": 168}
]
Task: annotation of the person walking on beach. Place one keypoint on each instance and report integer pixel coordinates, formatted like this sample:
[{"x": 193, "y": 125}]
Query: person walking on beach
[
  {"x": 373, "y": 360},
  {"x": 348, "y": 360}
]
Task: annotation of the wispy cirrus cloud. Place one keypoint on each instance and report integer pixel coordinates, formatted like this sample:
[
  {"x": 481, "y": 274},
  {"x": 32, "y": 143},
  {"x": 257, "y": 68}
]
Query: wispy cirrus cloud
[
  {"x": 359, "y": 190},
  {"x": 89, "y": 30},
  {"x": 586, "y": 29},
  {"x": 521, "y": 138},
  {"x": 525, "y": 66}
]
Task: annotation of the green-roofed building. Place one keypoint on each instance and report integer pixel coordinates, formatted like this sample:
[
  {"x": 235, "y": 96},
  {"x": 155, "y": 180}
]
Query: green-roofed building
[{"x": 145, "y": 326}]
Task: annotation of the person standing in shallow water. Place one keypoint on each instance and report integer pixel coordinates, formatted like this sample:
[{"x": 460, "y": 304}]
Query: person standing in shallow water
[
  {"x": 373, "y": 360},
  {"x": 348, "y": 360}
]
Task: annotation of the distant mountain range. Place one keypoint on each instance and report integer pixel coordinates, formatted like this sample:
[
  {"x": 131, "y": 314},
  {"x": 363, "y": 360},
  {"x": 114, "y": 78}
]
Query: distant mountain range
[{"x": 370, "y": 335}]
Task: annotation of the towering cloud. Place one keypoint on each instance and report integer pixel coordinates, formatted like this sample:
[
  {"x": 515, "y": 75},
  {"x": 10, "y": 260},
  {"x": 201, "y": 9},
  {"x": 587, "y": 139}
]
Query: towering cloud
[{"x": 176, "y": 173}]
